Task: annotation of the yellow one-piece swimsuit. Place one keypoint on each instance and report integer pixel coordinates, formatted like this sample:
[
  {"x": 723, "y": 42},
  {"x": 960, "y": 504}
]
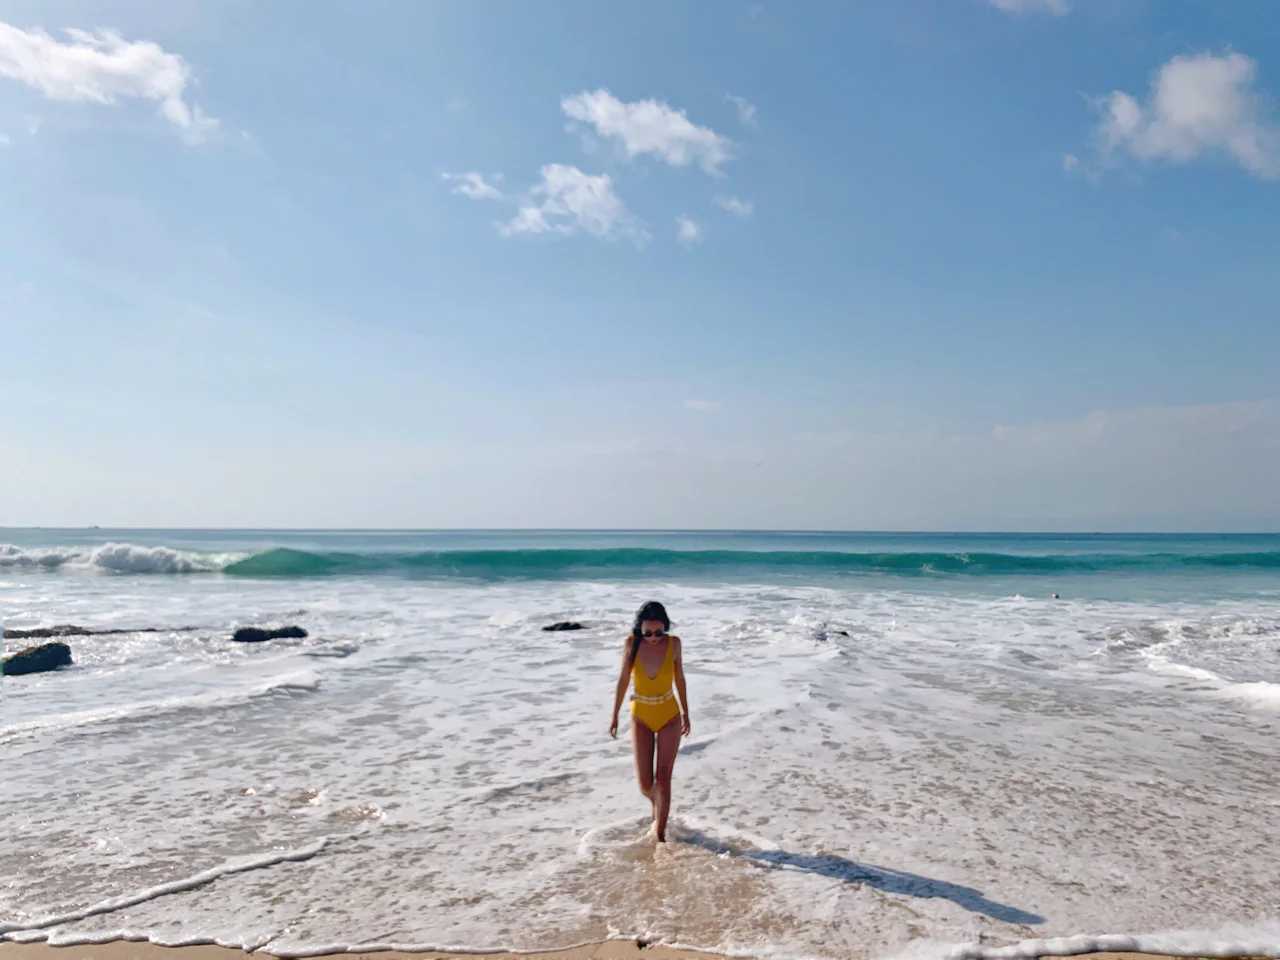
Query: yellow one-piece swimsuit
[{"x": 654, "y": 701}]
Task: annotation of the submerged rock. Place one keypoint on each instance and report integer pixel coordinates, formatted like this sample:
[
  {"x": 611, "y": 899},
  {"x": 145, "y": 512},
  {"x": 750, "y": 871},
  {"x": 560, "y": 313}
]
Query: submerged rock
[
  {"x": 258, "y": 634},
  {"x": 57, "y": 630},
  {"x": 72, "y": 630},
  {"x": 47, "y": 656},
  {"x": 824, "y": 632},
  {"x": 565, "y": 625}
]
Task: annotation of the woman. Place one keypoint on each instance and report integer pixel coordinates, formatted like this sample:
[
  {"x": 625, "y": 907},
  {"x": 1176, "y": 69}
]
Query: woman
[{"x": 651, "y": 658}]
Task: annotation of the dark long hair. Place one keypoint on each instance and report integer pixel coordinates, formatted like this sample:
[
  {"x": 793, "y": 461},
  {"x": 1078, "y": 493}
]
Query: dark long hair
[{"x": 652, "y": 610}]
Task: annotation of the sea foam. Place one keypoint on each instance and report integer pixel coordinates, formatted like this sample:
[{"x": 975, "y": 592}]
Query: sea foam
[{"x": 115, "y": 558}]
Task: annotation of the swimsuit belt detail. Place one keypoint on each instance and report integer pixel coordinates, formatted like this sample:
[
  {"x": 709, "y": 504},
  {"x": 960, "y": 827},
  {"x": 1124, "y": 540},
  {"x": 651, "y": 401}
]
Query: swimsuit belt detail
[{"x": 652, "y": 701}]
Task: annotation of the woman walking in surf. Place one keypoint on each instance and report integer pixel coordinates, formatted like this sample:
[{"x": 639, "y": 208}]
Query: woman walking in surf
[{"x": 652, "y": 660}]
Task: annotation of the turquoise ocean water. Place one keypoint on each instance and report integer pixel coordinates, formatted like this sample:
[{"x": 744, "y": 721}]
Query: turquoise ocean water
[{"x": 1097, "y": 564}]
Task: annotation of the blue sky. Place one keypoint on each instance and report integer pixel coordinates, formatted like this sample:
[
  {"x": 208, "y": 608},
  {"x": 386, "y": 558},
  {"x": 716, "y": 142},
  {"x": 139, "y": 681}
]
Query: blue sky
[{"x": 907, "y": 265}]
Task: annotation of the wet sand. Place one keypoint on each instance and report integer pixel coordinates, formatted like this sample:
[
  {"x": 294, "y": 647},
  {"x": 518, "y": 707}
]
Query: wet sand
[{"x": 609, "y": 950}]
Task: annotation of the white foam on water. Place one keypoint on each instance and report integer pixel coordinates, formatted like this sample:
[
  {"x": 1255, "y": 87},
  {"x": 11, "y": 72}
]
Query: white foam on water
[
  {"x": 302, "y": 680},
  {"x": 1259, "y": 692},
  {"x": 239, "y": 865},
  {"x": 871, "y": 772},
  {"x": 115, "y": 558},
  {"x": 13, "y": 556},
  {"x": 1206, "y": 650},
  {"x": 1233, "y": 940}
]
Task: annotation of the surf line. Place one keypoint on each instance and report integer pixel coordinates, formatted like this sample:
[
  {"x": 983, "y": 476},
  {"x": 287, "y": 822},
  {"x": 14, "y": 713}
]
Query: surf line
[
  {"x": 1231, "y": 942},
  {"x": 173, "y": 886}
]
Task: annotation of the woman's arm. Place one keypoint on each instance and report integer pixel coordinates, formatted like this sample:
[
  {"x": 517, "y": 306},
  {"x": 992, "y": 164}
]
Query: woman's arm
[
  {"x": 624, "y": 681},
  {"x": 684, "y": 693}
]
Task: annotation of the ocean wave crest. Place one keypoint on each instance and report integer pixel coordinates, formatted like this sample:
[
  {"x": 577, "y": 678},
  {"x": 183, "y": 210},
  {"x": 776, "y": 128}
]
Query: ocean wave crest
[
  {"x": 114, "y": 558},
  {"x": 564, "y": 563}
]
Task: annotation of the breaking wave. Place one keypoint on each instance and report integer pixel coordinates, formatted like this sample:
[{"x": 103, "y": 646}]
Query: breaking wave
[
  {"x": 114, "y": 558},
  {"x": 566, "y": 563}
]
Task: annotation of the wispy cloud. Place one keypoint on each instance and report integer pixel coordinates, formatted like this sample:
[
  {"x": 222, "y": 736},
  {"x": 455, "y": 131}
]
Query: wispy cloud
[
  {"x": 473, "y": 185},
  {"x": 688, "y": 232},
  {"x": 566, "y": 200},
  {"x": 1198, "y": 104},
  {"x": 746, "y": 110},
  {"x": 1056, "y": 7},
  {"x": 649, "y": 127},
  {"x": 102, "y": 67},
  {"x": 735, "y": 205},
  {"x": 5, "y": 140},
  {"x": 1070, "y": 162}
]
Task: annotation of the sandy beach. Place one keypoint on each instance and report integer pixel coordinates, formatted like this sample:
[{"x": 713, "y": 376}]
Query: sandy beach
[
  {"x": 125, "y": 950},
  {"x": 608, "y": 950}
]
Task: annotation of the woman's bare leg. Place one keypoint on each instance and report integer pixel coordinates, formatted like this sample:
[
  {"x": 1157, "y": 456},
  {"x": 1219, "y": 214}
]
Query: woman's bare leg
[
  {"x": 668, "y": 739},
  {"x": 642, "y": 739}
]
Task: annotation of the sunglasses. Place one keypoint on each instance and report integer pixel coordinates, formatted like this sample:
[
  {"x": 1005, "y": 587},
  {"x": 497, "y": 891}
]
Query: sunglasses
[{"x": 653, "y": 633}]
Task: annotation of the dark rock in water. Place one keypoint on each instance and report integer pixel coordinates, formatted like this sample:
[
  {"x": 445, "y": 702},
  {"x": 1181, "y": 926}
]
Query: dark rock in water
[
  {"x": 47, "y": 656},
  {"x": 57, "y": 630},
  {"x": 824, "y": 633},
  {"x": 258, "y": 634},
  {"x": 71, "y": 630},
  {"x": 565, "y": 625}
]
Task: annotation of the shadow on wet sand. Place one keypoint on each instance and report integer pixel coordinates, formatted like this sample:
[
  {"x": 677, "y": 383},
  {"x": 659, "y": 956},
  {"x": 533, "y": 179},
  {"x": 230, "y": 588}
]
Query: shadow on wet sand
[{"x": 882, "y": 878}]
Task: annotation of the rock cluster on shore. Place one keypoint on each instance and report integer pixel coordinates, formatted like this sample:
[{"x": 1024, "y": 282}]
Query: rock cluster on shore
[{"x": 50, "y": 656}]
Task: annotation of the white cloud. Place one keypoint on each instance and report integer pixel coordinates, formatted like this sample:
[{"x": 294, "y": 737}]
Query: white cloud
[
  {"x": 1199, "y": 103},
  {"x": 688, "y": 232},
  {"x": 568, "y": 200},
  {"x": 736, "y": 205},
  {"x": 1070, "y": 162},
  {"x": 649, "y": 126},
  {"x": 1055, "y": 7},
  {"x": 103, "y": 67},
  {"x": 473, "y": 185},
  {"x": 746, "y": 110}
]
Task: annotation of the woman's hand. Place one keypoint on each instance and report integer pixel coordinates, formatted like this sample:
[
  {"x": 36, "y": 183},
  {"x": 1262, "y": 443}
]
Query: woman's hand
[
  {"x": 684, "y": 724},
  {"x": 613, "y": 726}
]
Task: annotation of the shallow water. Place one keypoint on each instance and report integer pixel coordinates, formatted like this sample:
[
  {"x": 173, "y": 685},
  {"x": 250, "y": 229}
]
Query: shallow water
[{"x": 882, "y": 762}]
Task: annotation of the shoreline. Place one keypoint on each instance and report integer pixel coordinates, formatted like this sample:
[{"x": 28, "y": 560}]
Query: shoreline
[{"x": 620, "y": 949}]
